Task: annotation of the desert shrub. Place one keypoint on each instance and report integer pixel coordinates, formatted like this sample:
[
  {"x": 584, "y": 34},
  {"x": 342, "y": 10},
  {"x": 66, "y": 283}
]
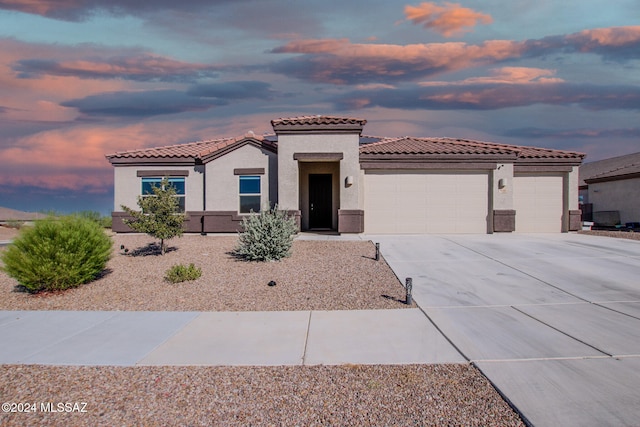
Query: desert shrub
[
  {"x": 103, "y": 221},
  {"x": 266, "y": 236},
  {"x": 180, "y": 273},
  {"x": 12, "y": 223},
  {"x": 57, "y": 254}
]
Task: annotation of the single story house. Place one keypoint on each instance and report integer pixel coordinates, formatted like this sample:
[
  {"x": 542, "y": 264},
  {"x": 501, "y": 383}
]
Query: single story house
[
  {"x": 612, "y": 185},
  {"x": 325, "y": 173}
]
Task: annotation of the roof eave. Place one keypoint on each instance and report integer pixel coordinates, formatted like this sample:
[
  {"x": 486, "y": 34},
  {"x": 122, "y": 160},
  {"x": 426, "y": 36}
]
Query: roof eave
[
  {"x": 155, "y": 161},
  {"x": 263, "y": 144},
  {"x": 422, "y": 158},
  {"x": 287, "y": 129},
  {"x": 612, "y": 178}
]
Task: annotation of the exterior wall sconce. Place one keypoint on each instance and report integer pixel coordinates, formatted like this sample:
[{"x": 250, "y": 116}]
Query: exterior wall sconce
[
  {"x": 348, "y": 181},
  {"x": 502, "y": 183}
]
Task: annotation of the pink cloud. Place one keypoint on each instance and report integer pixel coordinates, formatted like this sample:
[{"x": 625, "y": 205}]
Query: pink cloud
[
  {"x": 588, "y": 40},
  {"x": 312, "y": 46},
  {"x": 73, "y": 158},
  {"x": 137, "y": 66},
  {"x": 356, "y": 63},
  {"x": 339, "y": 61},
  {"x": 40, "y": 7},
  {"x": 506, "y": 75},
  {"x": 448, "y": 19},
  {"x": 58, "y": 74}
]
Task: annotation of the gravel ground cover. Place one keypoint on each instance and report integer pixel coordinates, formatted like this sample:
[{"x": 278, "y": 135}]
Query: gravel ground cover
[
  {"x": 617, "y": 234},
  {"x": 350, "y": 395},
  {"x": 320, "y": 275}
]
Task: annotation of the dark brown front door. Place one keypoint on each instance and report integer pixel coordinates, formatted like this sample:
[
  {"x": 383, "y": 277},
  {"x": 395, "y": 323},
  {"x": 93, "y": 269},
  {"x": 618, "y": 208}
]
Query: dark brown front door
[{"x": 320, "y": 200}]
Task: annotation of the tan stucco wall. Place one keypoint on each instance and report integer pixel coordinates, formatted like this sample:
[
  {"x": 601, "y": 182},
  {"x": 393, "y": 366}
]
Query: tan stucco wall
[
  {"x": 622, "y": 196},
  {"x": 223, "y": 185},
  {"x": 573, "y": 191},
  {"x": 502, "y": 197},
  {"x": 288, "y": 169},
  {"x": 128, "y": 186}
]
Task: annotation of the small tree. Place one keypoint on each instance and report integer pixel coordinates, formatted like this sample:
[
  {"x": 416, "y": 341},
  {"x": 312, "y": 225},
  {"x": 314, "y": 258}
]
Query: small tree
[
  {"x": 266, "y": 236},
  {"x": 159, "y": 214}
]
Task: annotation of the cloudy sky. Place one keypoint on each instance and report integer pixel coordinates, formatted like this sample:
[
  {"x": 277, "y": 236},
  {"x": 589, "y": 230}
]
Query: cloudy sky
[{"x": 83, "y": 78}]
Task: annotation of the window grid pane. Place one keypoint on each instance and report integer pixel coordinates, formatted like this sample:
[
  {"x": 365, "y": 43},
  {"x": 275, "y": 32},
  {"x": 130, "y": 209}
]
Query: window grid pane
[
  {"x": 177, "y": 183},
  {"x": 250, "y": 195},
  {"x": 249, "y": 185},
  {"x": 249, "y": 203}
]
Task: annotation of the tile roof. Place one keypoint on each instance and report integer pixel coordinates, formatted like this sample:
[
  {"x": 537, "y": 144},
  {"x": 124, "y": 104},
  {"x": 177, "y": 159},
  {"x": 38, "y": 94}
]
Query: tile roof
[
  {"x": 608, "y": 168},
  {"x": 192, "y": 150},
  {"x": 318, "y": 120},
  {"x": 370, "y": 146},
  {"x": 445, "y": 146},
  {"x": 629, "y": 171}
]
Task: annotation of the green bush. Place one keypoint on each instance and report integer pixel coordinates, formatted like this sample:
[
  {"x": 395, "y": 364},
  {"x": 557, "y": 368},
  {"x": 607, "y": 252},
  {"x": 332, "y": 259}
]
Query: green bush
[
  {"x": 12, "y": 223},
  {"x": 103, "y": 221},
  {"x": 180, "y": 273},
  {"x": 57, "y": 254},
  {"x": 266, "y": 236}
]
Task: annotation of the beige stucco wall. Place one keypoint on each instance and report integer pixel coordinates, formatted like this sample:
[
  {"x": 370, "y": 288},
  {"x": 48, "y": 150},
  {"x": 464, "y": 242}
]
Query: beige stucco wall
[
  {"x": 128, "y": 186},
  {"x": 222, "y": 185},
  {"x": 622, "y": 196},
  {"x": 288, "y": 168},
  {"x": 573, "y": 191},
  {"x": 502, "y": 197}
]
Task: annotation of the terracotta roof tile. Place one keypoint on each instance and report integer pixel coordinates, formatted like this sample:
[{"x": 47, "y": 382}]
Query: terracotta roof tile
[
  {"x": 410, "y": 145},
  {"x": 191, "y": 150},
  {"x": 318, "y": 120},
  {"x": 444, "y": 146},
  {"x": 369, "y": 145}
]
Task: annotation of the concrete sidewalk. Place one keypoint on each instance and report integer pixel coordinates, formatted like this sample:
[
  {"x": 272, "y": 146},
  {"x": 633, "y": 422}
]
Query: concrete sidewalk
[{"x": 121, "y": 338}]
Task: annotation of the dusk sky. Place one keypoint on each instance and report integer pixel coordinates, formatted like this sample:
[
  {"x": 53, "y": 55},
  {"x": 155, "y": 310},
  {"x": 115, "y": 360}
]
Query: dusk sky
[{"x": 83, "y": 78}]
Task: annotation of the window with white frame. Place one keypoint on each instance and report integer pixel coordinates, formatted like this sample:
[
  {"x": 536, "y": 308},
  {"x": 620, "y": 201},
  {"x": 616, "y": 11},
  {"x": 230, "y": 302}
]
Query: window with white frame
[
  {"x": 249, "y": 193},
  {"x": 177, "y": 183}
]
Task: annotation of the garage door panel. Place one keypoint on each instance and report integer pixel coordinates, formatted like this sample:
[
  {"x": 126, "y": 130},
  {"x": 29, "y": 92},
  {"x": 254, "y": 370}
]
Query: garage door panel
[
  {"x": 538, "y": 201},
  {"x": 424, "y": 202}
]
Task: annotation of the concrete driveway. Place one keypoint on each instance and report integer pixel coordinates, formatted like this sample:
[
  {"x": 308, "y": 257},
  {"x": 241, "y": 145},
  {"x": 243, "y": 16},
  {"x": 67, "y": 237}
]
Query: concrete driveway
[{"x": 553, "y": 320}]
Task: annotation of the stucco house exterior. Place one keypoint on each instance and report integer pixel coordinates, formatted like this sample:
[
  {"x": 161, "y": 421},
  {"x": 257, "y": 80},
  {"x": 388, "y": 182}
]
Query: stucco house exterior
[
  {"x": 324, "y": 172},
  {"x": 612, "y": 185}
]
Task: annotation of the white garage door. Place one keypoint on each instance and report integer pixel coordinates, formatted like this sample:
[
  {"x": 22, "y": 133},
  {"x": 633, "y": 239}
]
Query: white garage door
[
  {"x": 537, "y": 200},
  {"x": 425, "y": 202}
]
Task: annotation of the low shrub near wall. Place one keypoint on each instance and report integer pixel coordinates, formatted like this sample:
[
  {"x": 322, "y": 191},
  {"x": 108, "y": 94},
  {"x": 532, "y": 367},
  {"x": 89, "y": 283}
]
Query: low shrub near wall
[
  {"x": 57, "y": 254},
  {"x": 266, "y": 236}
]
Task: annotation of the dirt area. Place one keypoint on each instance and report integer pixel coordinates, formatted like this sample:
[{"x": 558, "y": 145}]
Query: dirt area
[
  {"x": 320, "y": 275},
  {"x": 8, "y": 233}
]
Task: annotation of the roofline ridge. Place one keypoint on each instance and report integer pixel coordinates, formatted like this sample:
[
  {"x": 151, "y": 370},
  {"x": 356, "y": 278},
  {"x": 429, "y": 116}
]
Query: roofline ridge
[{"x": 630, "y": 165}]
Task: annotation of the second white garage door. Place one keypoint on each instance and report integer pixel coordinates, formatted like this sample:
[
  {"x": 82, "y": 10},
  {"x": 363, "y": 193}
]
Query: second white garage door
[
  {"x": 537, "y": 200},
  {"x": 425, "y": 202}
]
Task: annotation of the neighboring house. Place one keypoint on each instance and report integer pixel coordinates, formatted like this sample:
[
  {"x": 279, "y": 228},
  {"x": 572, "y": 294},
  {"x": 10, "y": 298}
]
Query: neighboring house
[
  {"x": 612, "y": 185},
  {"x": 325, "y": 173},
  {"x": 7, "y": 215}
]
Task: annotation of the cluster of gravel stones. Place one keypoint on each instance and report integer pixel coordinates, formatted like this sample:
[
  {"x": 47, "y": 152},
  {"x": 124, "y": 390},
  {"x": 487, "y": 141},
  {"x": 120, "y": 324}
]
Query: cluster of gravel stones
[
  {"x": 320, "y": 275},
  {"x": 349, "y": 395}
]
